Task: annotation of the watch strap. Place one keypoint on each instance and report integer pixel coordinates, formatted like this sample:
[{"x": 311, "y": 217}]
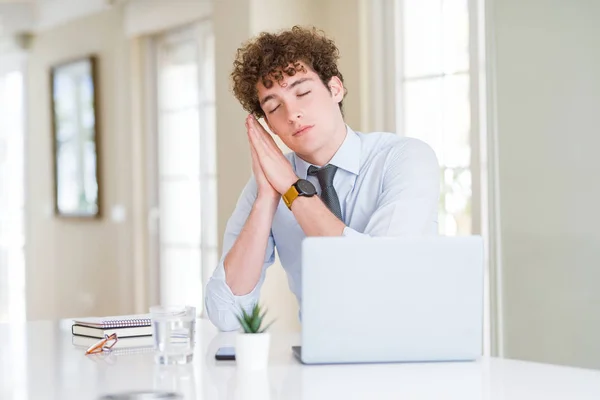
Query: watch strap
[{"x": 290, "y": 196}]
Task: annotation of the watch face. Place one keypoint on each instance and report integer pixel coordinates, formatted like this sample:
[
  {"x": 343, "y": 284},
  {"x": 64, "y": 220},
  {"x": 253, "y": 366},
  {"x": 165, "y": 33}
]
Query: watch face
[{"x": 306, "y": 188}]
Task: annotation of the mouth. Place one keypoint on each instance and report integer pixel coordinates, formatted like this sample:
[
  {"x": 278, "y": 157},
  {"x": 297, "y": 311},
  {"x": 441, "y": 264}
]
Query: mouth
[{"x": 302, "y": 130}]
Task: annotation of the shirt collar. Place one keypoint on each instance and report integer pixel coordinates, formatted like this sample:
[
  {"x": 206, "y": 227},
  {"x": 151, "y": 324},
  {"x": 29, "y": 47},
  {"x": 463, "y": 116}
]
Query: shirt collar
[{"x": 347, "y": 157}]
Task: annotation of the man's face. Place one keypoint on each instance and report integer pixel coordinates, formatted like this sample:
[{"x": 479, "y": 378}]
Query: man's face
[{"x": 302, "y": 111}]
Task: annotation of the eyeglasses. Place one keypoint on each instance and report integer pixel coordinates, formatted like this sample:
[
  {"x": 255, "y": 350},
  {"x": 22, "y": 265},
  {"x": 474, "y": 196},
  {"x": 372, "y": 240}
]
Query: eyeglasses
[{"x": 105, "y": 344}]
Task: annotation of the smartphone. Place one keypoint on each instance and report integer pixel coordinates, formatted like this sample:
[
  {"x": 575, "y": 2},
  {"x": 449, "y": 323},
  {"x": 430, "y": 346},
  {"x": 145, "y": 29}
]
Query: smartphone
[{"x": 225, "y": 354}]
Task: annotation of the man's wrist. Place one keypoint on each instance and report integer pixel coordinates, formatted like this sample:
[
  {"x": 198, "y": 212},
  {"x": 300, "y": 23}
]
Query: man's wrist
[
  {"x": 267, "y": 201},
  {"x": 290, "y": 181},
  {"x": 300, "y": 202}
]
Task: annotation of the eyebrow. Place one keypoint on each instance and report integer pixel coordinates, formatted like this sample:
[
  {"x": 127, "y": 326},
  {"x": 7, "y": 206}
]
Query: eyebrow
[{"x": 294, "y": 84}]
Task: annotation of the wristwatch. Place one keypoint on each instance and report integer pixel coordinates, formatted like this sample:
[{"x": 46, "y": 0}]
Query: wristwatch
[{"x": 302, "y": 187}]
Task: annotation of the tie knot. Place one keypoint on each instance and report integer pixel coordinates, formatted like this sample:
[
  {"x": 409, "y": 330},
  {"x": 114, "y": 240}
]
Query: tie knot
[{"x": 324, "y": 175}]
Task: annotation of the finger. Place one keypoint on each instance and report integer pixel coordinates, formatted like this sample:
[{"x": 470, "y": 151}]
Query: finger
[
  {"x": 249, "y": 134},
  {"x": 250, "y": 123},
  {"x": 256, "y": 167},
  {"x": 252, "y": 139},
  {"x": 263, "y": 139},
  {"x": 253, "y": 154},
  {"x": 259, "y": 127},
  {"x": 258, "y": 143},
  {"x": 260, "y": 130},
  {"x": 253, "y": 129},
  {"x": 265, "y": 136}
]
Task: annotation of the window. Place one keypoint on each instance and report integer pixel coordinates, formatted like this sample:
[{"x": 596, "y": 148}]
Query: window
[
  {"x": 440, "y": 59},
  {"x": 12, "y": 183},
  {"x": 434, "y": 85},
  {"x": 12, "y": 212},
  {"x": 186, "y": 163}
]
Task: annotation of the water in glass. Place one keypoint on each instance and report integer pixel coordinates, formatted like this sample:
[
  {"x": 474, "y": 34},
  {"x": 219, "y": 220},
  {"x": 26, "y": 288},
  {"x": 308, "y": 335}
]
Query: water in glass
[{"x": 173, "y": 329}]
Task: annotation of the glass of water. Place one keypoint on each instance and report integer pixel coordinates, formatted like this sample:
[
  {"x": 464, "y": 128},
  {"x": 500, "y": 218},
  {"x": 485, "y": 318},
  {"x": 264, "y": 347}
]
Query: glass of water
[{"x": 173, "y": 331}]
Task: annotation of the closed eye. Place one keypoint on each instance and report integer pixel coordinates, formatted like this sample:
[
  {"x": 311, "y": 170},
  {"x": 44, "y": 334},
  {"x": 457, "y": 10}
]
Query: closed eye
[
  {"x": 273, "y": 110},
  {"x": 303, "y": 94}
]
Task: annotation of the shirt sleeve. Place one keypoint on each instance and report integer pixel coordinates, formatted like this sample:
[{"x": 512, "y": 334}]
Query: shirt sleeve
[
  {"x": 408, "y": 202},
  {"x": 221, "y": 304}
]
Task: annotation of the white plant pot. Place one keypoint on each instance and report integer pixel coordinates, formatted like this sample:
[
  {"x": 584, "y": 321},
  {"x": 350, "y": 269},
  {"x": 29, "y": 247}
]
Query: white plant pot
[{"x": 252, "y": 350}]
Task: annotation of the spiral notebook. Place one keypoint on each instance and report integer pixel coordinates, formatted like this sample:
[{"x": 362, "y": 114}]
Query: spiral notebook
[
  {"x": 120, "y": 321},
  {"x": 123, "y": 326}
]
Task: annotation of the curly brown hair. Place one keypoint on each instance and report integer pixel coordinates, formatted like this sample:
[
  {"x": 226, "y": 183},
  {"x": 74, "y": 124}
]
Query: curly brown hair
[{"x": 268, "y": 55}]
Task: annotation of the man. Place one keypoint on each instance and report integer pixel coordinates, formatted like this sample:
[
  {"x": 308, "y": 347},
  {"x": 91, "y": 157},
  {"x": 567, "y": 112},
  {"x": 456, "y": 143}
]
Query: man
[{"x": 336, "y": 182}]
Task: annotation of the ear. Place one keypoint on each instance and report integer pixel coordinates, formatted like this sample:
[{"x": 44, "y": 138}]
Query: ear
[{"x": 336, "y": 87}]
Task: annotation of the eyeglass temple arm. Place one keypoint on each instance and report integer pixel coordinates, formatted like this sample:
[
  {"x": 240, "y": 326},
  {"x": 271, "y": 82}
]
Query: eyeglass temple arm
[{"x": 101, "y": 343}]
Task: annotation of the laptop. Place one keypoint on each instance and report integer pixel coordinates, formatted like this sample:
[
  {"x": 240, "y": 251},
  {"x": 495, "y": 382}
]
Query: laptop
[{"x": 371, "y": 300}]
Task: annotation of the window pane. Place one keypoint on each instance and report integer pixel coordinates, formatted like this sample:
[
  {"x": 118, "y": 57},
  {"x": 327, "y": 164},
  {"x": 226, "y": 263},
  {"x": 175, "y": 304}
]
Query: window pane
[
  {"x": 186, "y": 158},
  {"x": 180, "y": 212},
  {"x": 179, "y": 143},
  {"x": 456, "y": 35},
  {"x": 209, "y": 141},
  {"x": 423, "y": 112},
  {"x": 455, "y": 202},
  {"x": 209, "y": 212},
  {"x": 179, "y": 76},
  {"x": 12, "y": 234},
  {"x": 422, "y": 34},
  {"x": 208, "y": 68},
  {"x": 11, "y": 168},
  {"x": 437, "y": 111},
  {"x": 456, "y": 121}
]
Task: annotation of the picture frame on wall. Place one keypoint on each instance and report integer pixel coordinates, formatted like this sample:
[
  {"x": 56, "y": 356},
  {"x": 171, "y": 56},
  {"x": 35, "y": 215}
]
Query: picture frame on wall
[{"x": 75, "y": 138}]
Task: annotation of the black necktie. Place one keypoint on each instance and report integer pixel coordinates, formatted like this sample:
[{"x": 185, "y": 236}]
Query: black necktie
[{"x": 328, "y": 194}]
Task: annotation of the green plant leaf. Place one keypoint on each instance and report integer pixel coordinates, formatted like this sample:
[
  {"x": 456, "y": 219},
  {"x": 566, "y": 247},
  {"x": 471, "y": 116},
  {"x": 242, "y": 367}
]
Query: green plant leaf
[
  {"x": 244, "y": 325},
  {"x": 255, "y": 324},
  {"x": 243, "y": 320},
  {"x": 252, "y": 321},
  {"x": 255, "y": 311},
  {"x": 245, "y": 315}
]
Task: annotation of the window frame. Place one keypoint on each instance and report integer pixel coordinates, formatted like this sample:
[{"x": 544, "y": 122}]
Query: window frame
[{"x": 201, "y": 31}]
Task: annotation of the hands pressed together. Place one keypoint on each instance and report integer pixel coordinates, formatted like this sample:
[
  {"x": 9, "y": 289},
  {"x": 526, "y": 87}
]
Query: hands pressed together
[{"x": 273, "y": 172}]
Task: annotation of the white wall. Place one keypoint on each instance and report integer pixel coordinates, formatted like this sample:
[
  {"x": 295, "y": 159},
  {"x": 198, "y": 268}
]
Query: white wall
[
  {"x": 548, "y": 87},
  {"x": 77, "y": 267}
]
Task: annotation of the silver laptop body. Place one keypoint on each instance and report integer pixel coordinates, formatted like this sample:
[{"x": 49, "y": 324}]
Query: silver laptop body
[{"x": 391, "y": 299}]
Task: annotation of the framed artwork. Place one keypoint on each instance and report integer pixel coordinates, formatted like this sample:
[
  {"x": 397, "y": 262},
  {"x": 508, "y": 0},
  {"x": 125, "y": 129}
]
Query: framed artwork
[{"x": 75, "y": 132}]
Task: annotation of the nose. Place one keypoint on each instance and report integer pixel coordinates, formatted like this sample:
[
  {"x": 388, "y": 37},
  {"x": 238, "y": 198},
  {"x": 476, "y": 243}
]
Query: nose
[{"x": 294, "y": 115}]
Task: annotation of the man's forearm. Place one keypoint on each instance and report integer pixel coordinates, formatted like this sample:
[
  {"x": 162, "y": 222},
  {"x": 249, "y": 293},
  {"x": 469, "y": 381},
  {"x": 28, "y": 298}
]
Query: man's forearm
[
  {"x": 243, "y": 264},
  {"x": 315, "y": 218}
]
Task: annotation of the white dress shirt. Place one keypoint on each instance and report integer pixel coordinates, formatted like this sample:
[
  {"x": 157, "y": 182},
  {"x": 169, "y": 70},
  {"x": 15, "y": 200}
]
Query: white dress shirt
[{"x": 388, "y": 185}]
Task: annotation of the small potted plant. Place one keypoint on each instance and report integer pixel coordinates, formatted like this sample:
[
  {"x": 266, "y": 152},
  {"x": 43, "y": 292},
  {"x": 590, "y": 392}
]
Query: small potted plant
[{"x": 252, "y": 345}]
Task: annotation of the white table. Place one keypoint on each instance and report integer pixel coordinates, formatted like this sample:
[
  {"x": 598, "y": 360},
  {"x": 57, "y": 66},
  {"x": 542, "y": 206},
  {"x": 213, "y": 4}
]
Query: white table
[{"x": 39, "y": 361}]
